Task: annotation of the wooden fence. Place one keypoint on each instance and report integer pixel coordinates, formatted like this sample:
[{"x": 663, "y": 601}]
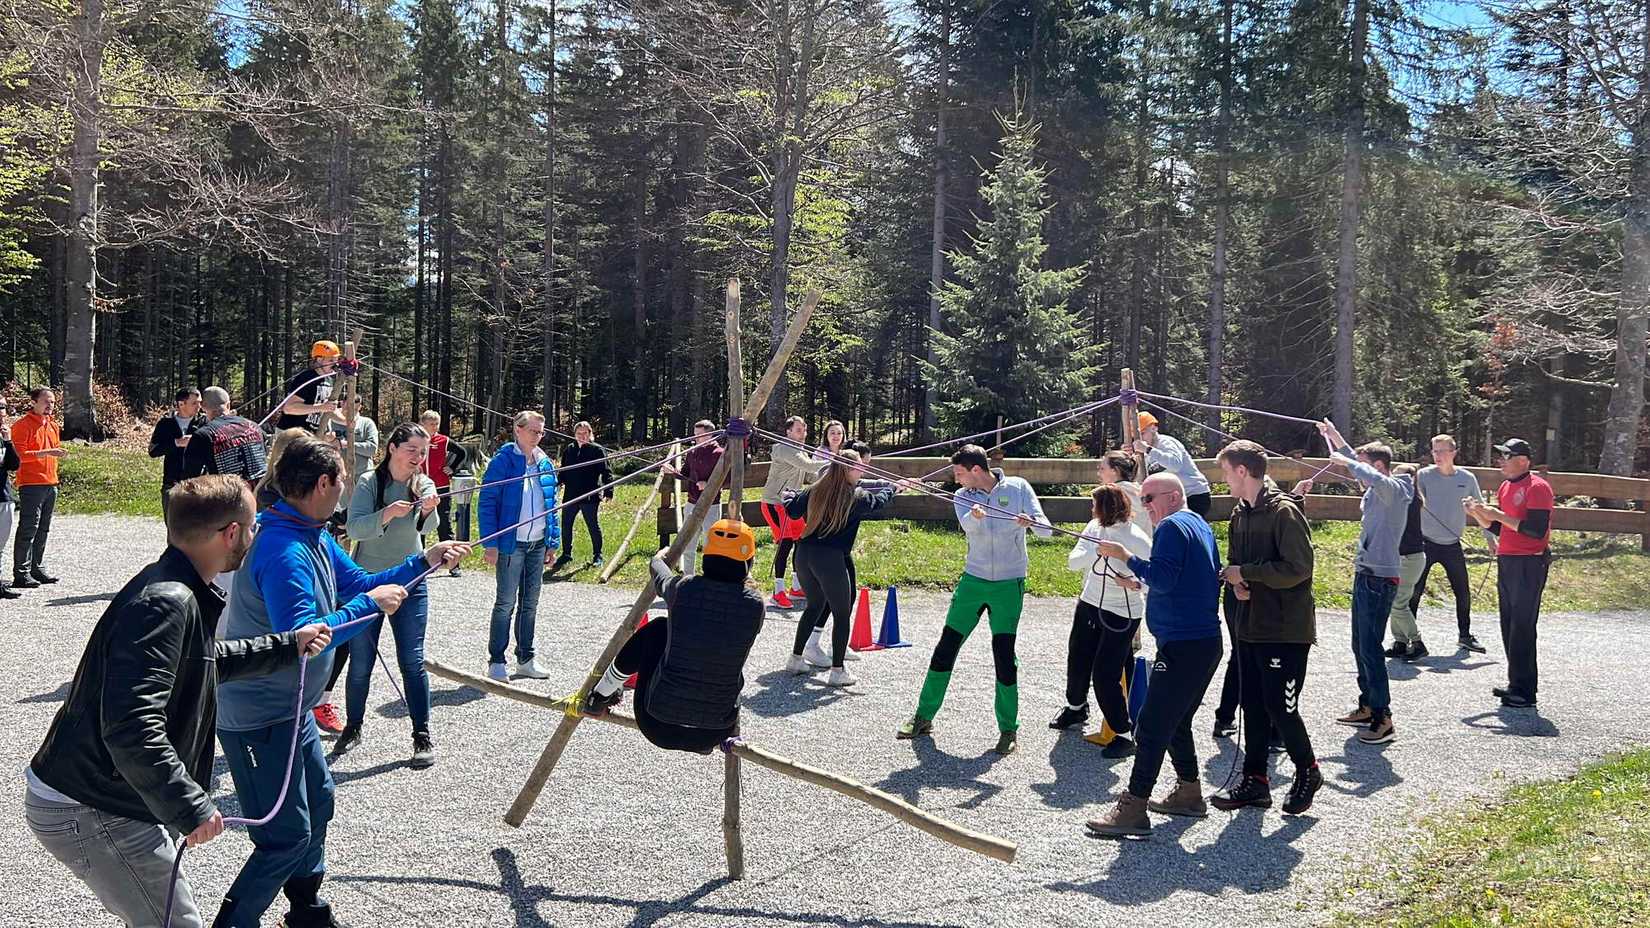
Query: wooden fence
[{"x": 1081, "y": 471}]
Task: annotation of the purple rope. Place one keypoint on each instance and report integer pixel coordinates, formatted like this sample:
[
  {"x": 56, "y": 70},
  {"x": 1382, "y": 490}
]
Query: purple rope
[
  {"x": 571, "y": 467},
  {"x": 1082, "y": 411},
  {"x": 1037, "y": 421},
  {"x": 1257, "y": 412}
]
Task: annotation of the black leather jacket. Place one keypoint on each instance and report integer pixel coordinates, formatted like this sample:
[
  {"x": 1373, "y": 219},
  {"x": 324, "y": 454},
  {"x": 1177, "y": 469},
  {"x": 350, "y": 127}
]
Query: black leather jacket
[{"x": 135, "y": 736}]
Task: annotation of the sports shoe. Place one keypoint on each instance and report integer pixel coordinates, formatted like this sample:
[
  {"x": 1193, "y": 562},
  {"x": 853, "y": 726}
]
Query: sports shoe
[
  {"x": 1252, "y": 790},
  {"x": 849, "y": 654},
  {"x": 1306, "y": 785},
  {"x": 816, "y": 655},
  {"x": 1470, "y": 643},
  {"x": 1417, "y": 650},
  {"x": 598, "y": 561},
  {"x": 1357, "y": 718},
  {"x": 1121, "y": 746},
  {"x": 6, "y": 593},
  {"x": 1125, "y": 819},
  {"x": 498, "y": 672},
  {"x": 1517, "y": 701},
  {"x": 423, "y": 754},
  {"x": 455, "y": 572},
  {"x": 783, "y": 600},
  {"x": 596, "y": 705},
  {"x": 24, "y": 583},
  {"x": 797, "y": 665},
  {"x": 840, "y": 677},
  {"x": 1396, "y": 649},
  {"x": 1225, "y": 728},
  {"x": 1276, "y": 745},
  {"x": 1185, "y": 799},
  {"x": 915, "y": 727},
  {"x": 350, "y": 737},
  {"x": 1380, "y": 731},
  {"x": 1007, "y": 742},
  {"x": 561, "y": 562},
  {"x": 531, "y": 670},
  {"x": 40, "y": 576},
  {"x": 796, "y": 592},
  {"x": 326, "y": 716},
  {"x": 1069, "y": 717}
]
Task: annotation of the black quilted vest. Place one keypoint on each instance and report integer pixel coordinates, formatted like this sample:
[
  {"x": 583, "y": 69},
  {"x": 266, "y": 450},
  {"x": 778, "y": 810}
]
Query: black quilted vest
[{"x": 711, "y": 630}]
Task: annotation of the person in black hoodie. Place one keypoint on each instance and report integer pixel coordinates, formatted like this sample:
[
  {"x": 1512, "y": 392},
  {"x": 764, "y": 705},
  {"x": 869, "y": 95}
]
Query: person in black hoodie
[
  {"x": 125, "y": 766},
  {"x": 170, "y": 439},
  {"x": 8, "y": 496},
  {"x": 1268, "y": 599},
  {"x": 575, "y": 483}
]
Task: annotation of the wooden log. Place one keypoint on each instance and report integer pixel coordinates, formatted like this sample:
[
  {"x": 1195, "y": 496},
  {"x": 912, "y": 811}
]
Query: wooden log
[
  {"x": 949, "y": 832},
  {"x": 350, "y": 476},
  {"x": 1131, "y": 429},
  {"x": 636, "y": 523},
  {"x": 551, "y": 755},
  {"x": 733, "y": 843}
]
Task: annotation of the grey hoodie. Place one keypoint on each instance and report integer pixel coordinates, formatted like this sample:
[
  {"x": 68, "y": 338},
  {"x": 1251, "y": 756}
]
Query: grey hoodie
[{"x": 1385, "y": 512}]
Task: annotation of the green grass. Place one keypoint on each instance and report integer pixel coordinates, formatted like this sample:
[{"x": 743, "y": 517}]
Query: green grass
[
  {"x": 1593, "y": 572},
  {"x": 1568, "y": 854}
]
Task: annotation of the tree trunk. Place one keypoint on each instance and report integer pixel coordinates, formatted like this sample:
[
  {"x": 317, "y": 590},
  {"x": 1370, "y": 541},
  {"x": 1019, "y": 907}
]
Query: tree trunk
[
  {"x": 1223, "y": 165},
  {"x": 1352, "y": 188},
  {"x": 548, "y": 287},
  {"x": 80, "y": 321},
  {"x": 1137, "y": 220},
  {"x": 638, "y": 309},
  {"x": 936, "y": 267},
  {"x": 1621, "y": 417}
]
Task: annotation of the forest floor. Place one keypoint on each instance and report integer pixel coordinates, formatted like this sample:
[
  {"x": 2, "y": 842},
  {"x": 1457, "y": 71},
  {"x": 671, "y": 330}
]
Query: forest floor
[
  {"x": 1592, "y": 571},
  {"x": 626, "y": 835}
]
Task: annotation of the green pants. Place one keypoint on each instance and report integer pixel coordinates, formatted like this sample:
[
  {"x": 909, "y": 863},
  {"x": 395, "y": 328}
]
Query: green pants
[
  {"x": 1003, "y": 599},
  {"x": 1405, "y": 626}
]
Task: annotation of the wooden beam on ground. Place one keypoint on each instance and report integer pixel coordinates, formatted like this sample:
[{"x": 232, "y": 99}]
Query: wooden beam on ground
[
  {"x": 551, "y": 755},
  {"x": 733, "y": 843},
  {"x": 949, "y": 832},
  {"x": 636, "y": 523}
]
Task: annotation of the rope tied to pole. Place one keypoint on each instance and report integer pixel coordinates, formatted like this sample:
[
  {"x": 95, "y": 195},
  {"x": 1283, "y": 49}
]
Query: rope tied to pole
[{"x": 737, "y": 428}]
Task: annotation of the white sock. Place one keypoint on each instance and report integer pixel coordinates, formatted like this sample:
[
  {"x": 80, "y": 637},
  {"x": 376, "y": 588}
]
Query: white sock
[
  {"x": 611, "y": 681},
  {"x": 813, "y": 637},
  {"x": 778, "y": 585},
  {"x": 326, "y": 697}
]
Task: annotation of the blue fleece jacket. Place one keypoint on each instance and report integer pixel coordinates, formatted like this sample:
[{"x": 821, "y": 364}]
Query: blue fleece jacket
[
  {"x": 1182, "y": 579},
  {"x": 501, "y": 505},
  {"x": 295, "y": 575}
]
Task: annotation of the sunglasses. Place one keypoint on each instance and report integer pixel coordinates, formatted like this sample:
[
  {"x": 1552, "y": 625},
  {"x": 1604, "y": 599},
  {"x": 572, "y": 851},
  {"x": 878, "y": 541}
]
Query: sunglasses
[{"x": 1147, "y": 497}]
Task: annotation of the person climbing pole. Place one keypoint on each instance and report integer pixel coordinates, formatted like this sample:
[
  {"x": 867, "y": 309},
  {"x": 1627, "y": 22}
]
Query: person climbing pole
[{"x": 1163, "y": 451}]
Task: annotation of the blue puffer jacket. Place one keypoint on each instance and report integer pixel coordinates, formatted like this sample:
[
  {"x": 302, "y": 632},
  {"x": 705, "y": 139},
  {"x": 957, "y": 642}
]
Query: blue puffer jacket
[{"x": 501, "y": 505}]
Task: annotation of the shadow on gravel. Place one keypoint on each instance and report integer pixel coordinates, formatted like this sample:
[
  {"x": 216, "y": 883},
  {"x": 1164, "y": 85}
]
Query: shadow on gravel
[
  {"x": 525, "y": 899},
  {"x": 81, "y": 600},
  {"x": 1081, "y": 775},
  {"x": 341, "y": 777},
  {"x": 1365, "y": 769},
  {"x": 936, "y": 769},
  {"x": 457, "y": 696},
  {"x": 1243, "y": 857},
  {"x": 785, "y": 694},
  {"x": 57, "y": 695},
  {"x": 1437, "y": 663},
  {"x": 1523, "y": 723}
]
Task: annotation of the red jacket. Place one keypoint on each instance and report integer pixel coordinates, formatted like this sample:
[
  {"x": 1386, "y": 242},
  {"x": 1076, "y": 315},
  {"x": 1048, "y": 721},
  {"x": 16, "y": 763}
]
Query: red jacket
[{"x": 435, "y": 466}]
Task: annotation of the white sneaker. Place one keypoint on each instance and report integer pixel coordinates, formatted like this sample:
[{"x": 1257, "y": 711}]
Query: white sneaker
[
  {"x": 797, "y": 665},
  {"x": 849, "y": 654},
  {"x": 532, "y": 670},
  {"x": 499, "y": 672},
  {"x": 816, "y": 655},
  {"x": 840, "y": 677}
]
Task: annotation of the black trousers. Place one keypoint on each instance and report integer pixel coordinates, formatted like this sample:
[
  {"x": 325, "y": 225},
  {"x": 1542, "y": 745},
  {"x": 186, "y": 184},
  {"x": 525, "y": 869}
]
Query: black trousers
[
  {"x": 340, "y": 660},
  {"x": 444, "y": 517},
  {"x": 641, "y": 656},
  {"x": 1521, "y": 579},
  {"x": 591, "y": 510},
  {"x": 1200, "y": 503},
  {"x": 1180, "y": 676},
  {"x": 827, "y": 577},
  {"x": 1230, "y": 694},
  {"x": 1098, "y": 654},
  {"x": 1455, "y": 570},
  {"x": 1273, "y": 677}
]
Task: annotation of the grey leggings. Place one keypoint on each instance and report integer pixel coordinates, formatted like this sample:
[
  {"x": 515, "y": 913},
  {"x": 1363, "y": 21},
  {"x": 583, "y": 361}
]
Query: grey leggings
[{"x": 826, "y": 575}]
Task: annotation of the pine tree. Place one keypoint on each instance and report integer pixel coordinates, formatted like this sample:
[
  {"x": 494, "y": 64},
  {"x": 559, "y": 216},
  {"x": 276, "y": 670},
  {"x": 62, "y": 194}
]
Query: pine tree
[{"x": 1012, "y": 345}]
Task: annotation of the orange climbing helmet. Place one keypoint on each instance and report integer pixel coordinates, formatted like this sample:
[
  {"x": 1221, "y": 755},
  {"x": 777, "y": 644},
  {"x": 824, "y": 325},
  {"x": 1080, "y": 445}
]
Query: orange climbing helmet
[
  {"x": 731, "y": 539},
  {"x": 325, "y": 349},
  {"x": 1147, "y": 420}
]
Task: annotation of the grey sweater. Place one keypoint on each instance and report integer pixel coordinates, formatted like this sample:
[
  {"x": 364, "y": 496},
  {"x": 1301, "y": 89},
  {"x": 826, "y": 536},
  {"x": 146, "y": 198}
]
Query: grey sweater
[
  {"x": 1443, "y": 521},
  {"x": 384, "y": 546},
  {"x": 997, "y": 543},
  {"x": 1385, "y": 510}
]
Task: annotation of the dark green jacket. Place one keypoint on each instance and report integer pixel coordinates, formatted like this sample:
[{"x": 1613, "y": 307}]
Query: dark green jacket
[{"x": 1272, "y": 543}]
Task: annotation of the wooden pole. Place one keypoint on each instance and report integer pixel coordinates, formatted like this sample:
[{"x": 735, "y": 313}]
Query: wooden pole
[
  {"x": 1131, "y": 428},
  {"x": 949, "y": 832},
  {"x": 733, "y": 843},
  {"x": 647, "y": 507},
  {"x": 686, "y": 534},
  {"x": 350, "y": 476}
]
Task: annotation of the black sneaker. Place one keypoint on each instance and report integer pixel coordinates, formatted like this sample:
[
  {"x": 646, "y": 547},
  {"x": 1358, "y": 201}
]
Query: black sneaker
[
  {"x": 1417, "y": 650},
  {"x": 1470, "y": 643},
  {"x": 348, "y": 738},
  {"x": 40, "y": 576},
  {"x": 1517, "y": 701},
  {"x": 6, "y": 592},
  {"x": 561, "y": 562},
  {"x": 1500, "y": 692},
  {"x": 24, "y": 583},
  {"x": 1398, "y": 649},
  {"x": 1276, "y": 745},
  {"x": 423, "y": 754},
  {"x": 596, "y": 705},
  {"x": 1306, "y": 785},
  {"x": 1251, "y": 791},
  {"x": 1069, "y": 717},
  {"x": 1121, "y": 746},
  {"x": 1225, "y": 728}
]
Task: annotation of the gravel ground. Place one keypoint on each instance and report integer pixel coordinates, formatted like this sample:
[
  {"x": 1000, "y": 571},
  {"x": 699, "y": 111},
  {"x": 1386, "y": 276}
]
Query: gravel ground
[{"x": 628, "y": 835}]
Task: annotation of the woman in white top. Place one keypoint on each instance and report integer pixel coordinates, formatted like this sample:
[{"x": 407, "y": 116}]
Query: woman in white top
[
  {"x": 1108, "y": 612},
  {"x": 1116, "y": 469}
]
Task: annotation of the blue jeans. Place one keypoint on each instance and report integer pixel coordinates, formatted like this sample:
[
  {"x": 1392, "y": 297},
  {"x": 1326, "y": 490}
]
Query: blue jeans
[
  {"x": 520, "y": 575},
  {"x": 1371, "y": 601},
  {"x": 293, "y": 844},
  {"x": 408, "y": 624}
]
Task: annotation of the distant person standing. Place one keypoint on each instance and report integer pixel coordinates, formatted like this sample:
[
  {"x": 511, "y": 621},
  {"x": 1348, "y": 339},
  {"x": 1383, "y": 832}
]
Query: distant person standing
[
  {"x": 445, "y": 458},
  {"x": 310, "y": 390},
  {"x": 1169, "y": 454},
  {"x": 38, "y": 443},
  {"x": 523, "y": 494},
  {"x": 1443, "y": 523},
  {"x": 1523, "y": 524},
  {"x": 8, "y": 496},
  {"x": 697, "y": 466},
  {"x": 366, "y": 438},
  {"x": 589, "y": 461},
  {"x": 170, "y": 439},
  {"x": 790, "y": 468},
  {"x": 226, "y": 443}
]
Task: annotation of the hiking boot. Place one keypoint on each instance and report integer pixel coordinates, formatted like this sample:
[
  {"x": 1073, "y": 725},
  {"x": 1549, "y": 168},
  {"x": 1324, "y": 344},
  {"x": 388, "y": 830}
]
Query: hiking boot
[
  {"x": 1306, "y": 785},
  {"x": 1007, "y": 742},
  {"x": 1470, "y": 643},
  {"x": 1417, "y": 650},
  {"x": 40, "y": 576},
  {"x": 1225, "y": 728},
  {"x": 1357, "y": 718},
  {"x": 1517, "y": 701},
  {"x": 349, "y": 738},
  {"x": 1252, "y": 790},
  {"x": 326, "y": 716},
  {"x": 1185, "y": 799},
  {"x": 1069, "y": 717},
  {"x": 782, "y": 600},
  {"x": 596, "y": 705},
  {"x": 915, "y": 727},
  {"x": 1380, "y": 730},
  {"x": 815, "y": 655},
  {"x": 423, "y": 754},
  {"x": 1121, "y": 746},
  {"x": 1396, "y": 649},
  {"x": 24, "y": 583},
  {"x": 840, "y": 677},
  {"x": 796, "y": 665},
  {"x": 1126, "y": 819}
]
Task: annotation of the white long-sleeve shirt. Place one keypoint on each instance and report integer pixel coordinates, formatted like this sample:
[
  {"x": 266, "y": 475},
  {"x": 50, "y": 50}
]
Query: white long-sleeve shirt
[
  {"x": 1173, "y": 457},
  {"x": 1100, "y": 588}
]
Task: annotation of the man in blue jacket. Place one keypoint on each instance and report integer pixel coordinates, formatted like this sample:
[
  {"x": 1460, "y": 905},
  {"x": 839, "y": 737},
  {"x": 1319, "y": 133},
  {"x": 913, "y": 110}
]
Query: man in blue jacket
[
  {"x": 518, "y": 557},
  {"x": 295, "y": 575},
  {"x": 1182, "y": 582}
]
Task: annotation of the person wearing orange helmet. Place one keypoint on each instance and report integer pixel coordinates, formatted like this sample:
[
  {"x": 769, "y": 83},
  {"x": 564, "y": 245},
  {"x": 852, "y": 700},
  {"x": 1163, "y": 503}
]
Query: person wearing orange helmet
[
  {"x": 1166, "y": 453},
  {"x": 309, "y": 404},
  {"x": 690, "y": 665}
]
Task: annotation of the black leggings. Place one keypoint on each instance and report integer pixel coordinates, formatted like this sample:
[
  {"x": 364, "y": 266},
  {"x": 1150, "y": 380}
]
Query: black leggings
[
  {"x": 826, "y": 575},
  {"x": 853, "y": 587},
  {"x": 340, "y": 660},
  {"x": 1180, "y": 676},
  {"x": 1099, "y": 656},
  {"x": 641, "y": 655},
  {"x": 591, "y": 510},
  {"x": 1273, "y": 677},
  {"x": 1455, "y": 569},
  {"x": 1230, "y": 696},
  {"x": 782, "y": 556}
]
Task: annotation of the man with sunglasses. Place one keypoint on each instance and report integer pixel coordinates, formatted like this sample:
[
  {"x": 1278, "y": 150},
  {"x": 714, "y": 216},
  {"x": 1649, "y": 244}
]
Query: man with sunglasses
[
  {"x": 1522, "y": 523},
  {"x": 127, "y": 764}
]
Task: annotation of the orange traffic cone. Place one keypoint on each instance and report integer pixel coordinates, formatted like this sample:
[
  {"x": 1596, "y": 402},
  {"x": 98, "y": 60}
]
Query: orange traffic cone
[
  {"x": 630, "y": 682},
  {"x": 860, "y": 638}
]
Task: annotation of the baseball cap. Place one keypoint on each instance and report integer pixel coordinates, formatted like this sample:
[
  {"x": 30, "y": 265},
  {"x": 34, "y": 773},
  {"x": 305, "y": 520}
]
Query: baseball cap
[{"x": 1515, "y": 446}]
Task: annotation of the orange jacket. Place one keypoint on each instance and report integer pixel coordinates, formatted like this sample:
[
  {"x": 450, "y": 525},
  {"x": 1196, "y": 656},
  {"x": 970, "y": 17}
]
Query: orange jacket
[{"x": 34, "y": 433}]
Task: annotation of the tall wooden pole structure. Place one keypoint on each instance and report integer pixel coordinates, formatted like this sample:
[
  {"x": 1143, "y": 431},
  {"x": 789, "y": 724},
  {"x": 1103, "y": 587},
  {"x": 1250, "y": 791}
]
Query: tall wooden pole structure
[
  {"x": 687, "y": 534},
  {"x": 732, "y": 841},
  {"x": 1131, "y": 426},
  {"x": 348, "y": 405}
]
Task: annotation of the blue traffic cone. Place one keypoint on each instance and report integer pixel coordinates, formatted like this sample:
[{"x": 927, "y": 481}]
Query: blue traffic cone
[
  {"x": 1137, "y": 689},
  {"x": 889, "y": 637}
]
